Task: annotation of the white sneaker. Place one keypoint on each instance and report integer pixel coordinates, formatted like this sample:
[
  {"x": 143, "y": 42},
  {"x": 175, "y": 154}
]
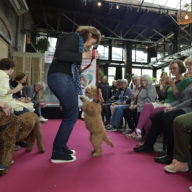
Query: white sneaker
[{"x": 43, "y": 120}]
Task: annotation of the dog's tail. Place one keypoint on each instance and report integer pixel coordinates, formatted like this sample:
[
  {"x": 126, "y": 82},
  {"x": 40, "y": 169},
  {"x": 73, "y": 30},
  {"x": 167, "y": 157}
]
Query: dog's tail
[{"x": 108, "y": 141}]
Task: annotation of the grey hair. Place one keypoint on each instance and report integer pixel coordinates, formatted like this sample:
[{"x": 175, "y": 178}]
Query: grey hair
[
  {"x": 135, "y": 77},
  {"x": 188, "y": 60},
  {"x": 148, "y": 78},
  {"x": 124, "y": 81},
  {"x": 41, "y": 83}
]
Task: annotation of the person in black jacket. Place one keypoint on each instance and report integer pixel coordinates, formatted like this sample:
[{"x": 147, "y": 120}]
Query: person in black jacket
[
  {"x": 63, "y": 80},
  {"x": 104, "y": 86}
]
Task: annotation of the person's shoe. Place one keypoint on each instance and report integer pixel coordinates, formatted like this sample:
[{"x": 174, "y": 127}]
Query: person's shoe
[
  {"x": 43, "y": 120},
  {"x": 106, "y": 123},
  {"x": 70, "y": 152},
  {"x": 143, "y": 149},
  {"x": 2, "y": 167},
  {"x": 128, "y": 131},
  {"x": 109, "y": 126},
  {"x": 66, "y": 158},
  {"x": 134, "y": 136},
  {"x": 165, "y": 159},
  {"x": 177, "y": 167}
]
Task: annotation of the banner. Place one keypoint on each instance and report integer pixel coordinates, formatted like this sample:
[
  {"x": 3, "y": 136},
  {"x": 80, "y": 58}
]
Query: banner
[{"x": 87, "y": 77}]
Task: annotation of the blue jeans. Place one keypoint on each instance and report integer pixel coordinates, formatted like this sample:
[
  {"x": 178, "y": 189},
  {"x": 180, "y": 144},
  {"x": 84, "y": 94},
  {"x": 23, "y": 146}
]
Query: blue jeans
[
  {"x": 117, "y": 115},
  {"x": 63, "y": 87}
]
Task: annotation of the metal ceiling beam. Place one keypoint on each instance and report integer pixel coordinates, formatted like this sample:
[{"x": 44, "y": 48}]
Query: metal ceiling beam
[
  {"x": 141, "y": 17},
  {"x": 107, "y": 28},
  {"x": 160, "y": 34},
  {"x": 116, "y": 26},
  {"x": 59, "y": 10},
  {"x": 73, "y": 22},
  {"x": 140, "y": 34},
  {"x": 172, "y": 33}
]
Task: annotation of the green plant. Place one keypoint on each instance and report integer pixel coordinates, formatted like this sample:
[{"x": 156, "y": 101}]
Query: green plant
[
  {"x": 101, "y": 74},
  {"x": 43, "y": 45},
  {"x": 129, "y": 77}
]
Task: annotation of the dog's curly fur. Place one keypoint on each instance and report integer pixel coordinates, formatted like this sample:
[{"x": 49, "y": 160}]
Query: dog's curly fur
[
  {"x": 93, "y": 120},
  {"x": 17, "y": 128}
]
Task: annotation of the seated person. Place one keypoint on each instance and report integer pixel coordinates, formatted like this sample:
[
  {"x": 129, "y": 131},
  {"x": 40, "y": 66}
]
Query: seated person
[
  {"x": 146, "y": 94},
  {"x": 118, "y": 111},
  {"x": 188, "y": 65},
  {"x": 162, "y": 122},
  {"x": 171, "y": 90},
  {"x": 124, "y": 95},
  {"x": 32, "y": 92},
  {"x": 106, "y": 106},
  {"x": 113, "y": 88},
  {"x": 182, "y": 138},
  {"x": 104, "y": 86},
  {"x": 19, "y": 79},
  {"x": 6, "y": 72}
]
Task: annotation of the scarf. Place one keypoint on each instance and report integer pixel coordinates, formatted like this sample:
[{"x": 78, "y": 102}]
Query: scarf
[{"x": 76, "y": 68}]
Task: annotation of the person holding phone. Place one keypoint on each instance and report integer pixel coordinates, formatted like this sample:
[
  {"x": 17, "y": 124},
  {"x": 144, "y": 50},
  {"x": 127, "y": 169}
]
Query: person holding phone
[{"x": 64, "y": 81}]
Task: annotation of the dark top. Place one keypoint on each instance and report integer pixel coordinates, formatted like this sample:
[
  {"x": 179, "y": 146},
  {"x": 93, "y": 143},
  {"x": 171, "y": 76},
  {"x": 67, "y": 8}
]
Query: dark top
[
  {"x": 113, "y": 90},
  {"x": 66, "y": 54},
  {"x": 105, "y": 90},
  {"x": 14, "y": 84}
]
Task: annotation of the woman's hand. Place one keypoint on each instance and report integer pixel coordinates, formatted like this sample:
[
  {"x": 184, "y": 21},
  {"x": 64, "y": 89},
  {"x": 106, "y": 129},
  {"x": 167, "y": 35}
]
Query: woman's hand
[
  {"x": 170, "y": 81},
  {"x": 132, "y": 107},
  {"x": 6, "y": 108},
  {"x": 18, "y": 88},
  {"x": 169, "y": 109},
  {"x": 89, "y": 55}
]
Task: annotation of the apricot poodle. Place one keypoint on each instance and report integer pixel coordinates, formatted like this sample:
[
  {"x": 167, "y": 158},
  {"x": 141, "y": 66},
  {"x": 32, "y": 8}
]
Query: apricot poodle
[
  {"x": 17, "y": 128},
  {"x": 93, "y": 120}
]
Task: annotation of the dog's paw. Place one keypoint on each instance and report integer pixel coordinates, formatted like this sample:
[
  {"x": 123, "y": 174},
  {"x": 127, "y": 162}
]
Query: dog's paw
[
  {"x": 83, "y": 99},
  {"x": 95, "y": 154},
  {"x": 41, "y": 150},
  {"x": 28, "y": 149}
]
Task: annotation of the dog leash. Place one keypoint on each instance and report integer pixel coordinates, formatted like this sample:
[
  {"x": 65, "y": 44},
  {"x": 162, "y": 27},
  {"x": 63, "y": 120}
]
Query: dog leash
[
  {"x": 86, "y": 67},
  {"x": 97, "y": 79},
  {"x": 97, "y": 71}
]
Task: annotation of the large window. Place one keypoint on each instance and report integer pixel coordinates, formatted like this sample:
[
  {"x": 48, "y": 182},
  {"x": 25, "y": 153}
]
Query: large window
[
  {"x": 148, "y": 72},
  {"x": 136, "y": 71},
  {"x": 52, "y": 44},
  {"x": 103, "y": 51},
  {"x": 117, "y": 54},
  {"x": 166, "y": 69},
  {"x": 158, "y": 74},
  {"x": 111, "y": 74},
  {"x": 139, "y": 55}
]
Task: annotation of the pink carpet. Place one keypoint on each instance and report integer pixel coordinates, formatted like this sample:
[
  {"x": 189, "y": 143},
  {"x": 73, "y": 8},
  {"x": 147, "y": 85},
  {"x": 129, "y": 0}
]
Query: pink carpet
[{"x": 118, "y": 170}]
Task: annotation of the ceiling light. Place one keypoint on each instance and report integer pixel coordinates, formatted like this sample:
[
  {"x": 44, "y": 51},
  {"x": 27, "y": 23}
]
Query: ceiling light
[
  {"x": 186, "y": 17},
  {"x": 117, "y": 6},
  {"x": 99, "y": 4}
]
